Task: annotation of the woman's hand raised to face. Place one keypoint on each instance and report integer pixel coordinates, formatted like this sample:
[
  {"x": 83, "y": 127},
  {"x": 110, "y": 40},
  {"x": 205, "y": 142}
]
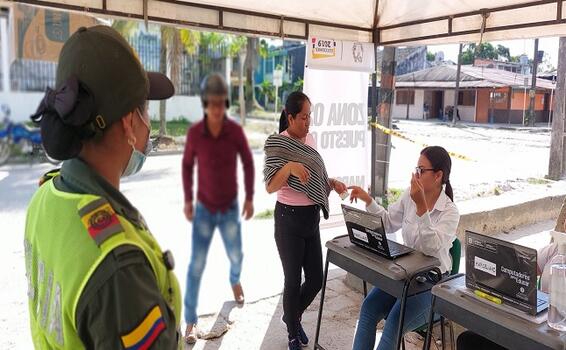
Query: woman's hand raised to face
[
  {"x": 359, "y": 193},
  {"x": 418, "y": 195}
]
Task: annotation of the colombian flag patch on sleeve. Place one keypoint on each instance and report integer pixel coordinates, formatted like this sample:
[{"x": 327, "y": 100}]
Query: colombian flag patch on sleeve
[
  {"x": 100, "y": 220},
  {"x": 146, "y": 332}
]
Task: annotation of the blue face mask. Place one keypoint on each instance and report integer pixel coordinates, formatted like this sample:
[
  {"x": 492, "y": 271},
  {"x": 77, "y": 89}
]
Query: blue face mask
[{"x": 137, "y": 159}]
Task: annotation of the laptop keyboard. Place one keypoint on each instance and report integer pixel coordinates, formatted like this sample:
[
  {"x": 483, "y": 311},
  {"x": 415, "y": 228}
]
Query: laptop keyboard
[{"x": 396, "y": 248}]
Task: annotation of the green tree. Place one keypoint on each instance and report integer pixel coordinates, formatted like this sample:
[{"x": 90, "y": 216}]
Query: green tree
[
  {"x": 267, "y": 91},
  {"x": 503, "y": 52},
  {"x": 430, "y": 56},
  {"x": 126, "y": 28},
  {"x": 263, "y": 49},
  {"x": 171, "y": 53},
  {"x": 298, "y": 85},
  {"x": 173, "y": 43},
  {"x": 237, "y": 47},
  {"x": 484, "y": 51},
  {"x": 546, "y": 65},
  {"x": 252, "y": 59}
]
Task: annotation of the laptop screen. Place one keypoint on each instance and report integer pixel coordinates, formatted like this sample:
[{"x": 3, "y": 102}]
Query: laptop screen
[
  {"x": 366, "y": 229},
  {"x": 503, "y": 269}
]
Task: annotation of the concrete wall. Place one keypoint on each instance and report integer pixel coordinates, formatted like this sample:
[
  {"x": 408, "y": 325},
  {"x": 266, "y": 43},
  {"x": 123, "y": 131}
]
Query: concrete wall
[
  {"x": 23, "y": 104},
  {"x": 507, "y": 218},
  {"x": 467, "y": 113},
  {"x": 188, "y": 107},
  {"x": 415, "y": 110}
]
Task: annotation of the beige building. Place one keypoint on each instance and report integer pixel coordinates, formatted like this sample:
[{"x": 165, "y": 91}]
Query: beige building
[{"x": 485, "y": 95}]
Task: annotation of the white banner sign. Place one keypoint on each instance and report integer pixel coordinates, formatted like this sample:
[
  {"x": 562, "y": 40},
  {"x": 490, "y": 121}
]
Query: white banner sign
[
  {"x": 340, "y": 55},
  {"x": 339, "y": 124}
]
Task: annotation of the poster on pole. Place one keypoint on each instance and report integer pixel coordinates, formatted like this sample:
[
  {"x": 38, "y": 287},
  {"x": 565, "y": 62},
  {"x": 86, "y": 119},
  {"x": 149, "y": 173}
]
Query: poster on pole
[
  {"x": 338, "y": 89},
  {"x": 332, "y": 54}
]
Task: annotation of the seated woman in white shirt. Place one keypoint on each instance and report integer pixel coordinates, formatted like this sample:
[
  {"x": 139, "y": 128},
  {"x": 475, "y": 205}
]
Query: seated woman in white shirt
[{"x": 428, "y": 218}]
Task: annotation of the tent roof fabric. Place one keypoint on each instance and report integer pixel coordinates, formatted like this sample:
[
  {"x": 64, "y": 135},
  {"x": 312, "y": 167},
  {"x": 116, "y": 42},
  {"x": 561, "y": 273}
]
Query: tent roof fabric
[
  {"x": 385, "y": 22},
  {"x": 470, "y": 77}
]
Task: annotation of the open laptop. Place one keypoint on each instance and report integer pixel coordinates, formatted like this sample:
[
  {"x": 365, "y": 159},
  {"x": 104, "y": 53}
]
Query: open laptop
[
  {"x": 504, "y": 270},
  {"x": 367, "y": 231}
]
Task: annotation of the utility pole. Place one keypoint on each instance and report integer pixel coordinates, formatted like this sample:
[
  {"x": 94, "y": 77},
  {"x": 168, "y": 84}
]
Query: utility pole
[
  {"x": 382, "y": 145},
  {"x": 557, "y": 155},
  {"x": 533, "y": 92},
  {"x": 457, "y": 90}
]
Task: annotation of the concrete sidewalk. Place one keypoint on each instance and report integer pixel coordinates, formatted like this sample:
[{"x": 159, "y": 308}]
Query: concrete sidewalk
[{"x": 257, "y": 325}]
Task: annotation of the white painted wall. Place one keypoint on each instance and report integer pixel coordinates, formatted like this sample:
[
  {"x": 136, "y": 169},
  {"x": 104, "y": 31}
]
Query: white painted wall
[
  {"x": 415, "y": 110},
  {"x": 467, "y": 113},
  {"x": 24, "y": 104},
  {"x": 188, "y": 107},
  {"x": 4, "y": 58},
  {"x": 449, "y": 99}
]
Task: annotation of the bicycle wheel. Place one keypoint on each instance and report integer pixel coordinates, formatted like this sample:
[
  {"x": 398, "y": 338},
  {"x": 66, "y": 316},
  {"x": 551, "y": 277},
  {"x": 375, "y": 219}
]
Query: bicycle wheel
[{"x": 5, "y": 150}]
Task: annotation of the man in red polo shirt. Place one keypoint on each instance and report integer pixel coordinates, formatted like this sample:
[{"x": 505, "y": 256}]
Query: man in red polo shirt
[{"x": 215, "y": 143}]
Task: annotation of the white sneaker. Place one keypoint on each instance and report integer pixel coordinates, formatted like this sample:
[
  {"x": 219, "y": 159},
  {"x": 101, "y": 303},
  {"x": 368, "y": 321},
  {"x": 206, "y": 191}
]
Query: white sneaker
[{"x": 191, "y": 334}]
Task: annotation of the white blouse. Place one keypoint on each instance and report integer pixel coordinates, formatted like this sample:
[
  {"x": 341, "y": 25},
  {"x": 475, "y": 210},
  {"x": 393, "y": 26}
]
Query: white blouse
[{"x": 432, "y": 233}]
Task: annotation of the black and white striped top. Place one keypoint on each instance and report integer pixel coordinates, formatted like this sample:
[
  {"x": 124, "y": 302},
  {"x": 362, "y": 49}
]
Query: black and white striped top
[{"x": 279, "y": 150}]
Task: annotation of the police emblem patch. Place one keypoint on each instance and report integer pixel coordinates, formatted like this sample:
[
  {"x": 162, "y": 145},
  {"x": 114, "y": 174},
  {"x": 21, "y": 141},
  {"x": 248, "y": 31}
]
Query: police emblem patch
[{"x": 100, "y": 220}]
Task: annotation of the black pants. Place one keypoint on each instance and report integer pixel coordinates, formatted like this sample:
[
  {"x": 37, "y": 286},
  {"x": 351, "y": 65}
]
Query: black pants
[
  {"x": 297, "y": 236},
  {"x": 472, "y": 341}
]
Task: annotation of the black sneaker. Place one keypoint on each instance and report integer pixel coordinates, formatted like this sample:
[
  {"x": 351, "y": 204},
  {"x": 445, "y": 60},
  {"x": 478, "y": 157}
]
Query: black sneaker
[
  {"x": 295, "y": 344},
  {"x": 302, "y": 335}
]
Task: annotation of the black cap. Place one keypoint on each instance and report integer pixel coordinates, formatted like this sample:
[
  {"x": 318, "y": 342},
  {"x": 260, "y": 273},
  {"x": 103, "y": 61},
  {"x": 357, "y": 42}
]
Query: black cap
[{"x": 101, "y": 59}]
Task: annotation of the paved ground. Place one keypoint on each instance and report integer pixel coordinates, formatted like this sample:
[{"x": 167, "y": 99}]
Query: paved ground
[{"x": 501, "y": 157}]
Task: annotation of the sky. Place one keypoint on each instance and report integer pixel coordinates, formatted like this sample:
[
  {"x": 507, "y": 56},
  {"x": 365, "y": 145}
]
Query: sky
[{"x": 516, "y": 48}]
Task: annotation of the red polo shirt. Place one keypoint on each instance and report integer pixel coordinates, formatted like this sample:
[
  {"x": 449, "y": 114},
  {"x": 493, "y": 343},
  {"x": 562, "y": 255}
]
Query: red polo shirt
[{"x": 217, "y": 158}]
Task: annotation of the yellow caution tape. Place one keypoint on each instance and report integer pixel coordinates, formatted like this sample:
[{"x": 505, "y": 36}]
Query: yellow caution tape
[{"x": 388, "y": 131}]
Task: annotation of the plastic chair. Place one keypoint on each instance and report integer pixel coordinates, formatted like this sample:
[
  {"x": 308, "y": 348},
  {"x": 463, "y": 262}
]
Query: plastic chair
[{"x": 455, "y": 253}]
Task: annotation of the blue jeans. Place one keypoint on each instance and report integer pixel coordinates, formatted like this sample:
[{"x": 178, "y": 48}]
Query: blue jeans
[
  {"x": 204, "y": 224},
  {"x": 379, "y": 305}
]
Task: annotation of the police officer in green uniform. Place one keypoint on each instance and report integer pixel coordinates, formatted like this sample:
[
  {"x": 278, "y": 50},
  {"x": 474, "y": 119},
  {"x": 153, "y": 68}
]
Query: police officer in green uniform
[{"x": 97, "y": 279}]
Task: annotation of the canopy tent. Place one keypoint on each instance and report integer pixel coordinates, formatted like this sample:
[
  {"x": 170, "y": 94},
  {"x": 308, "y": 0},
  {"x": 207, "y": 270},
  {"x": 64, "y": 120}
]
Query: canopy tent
[{"x": 384, "y": 22}]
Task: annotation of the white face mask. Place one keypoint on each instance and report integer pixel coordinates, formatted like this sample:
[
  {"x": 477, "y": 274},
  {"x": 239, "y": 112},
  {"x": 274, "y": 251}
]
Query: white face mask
[{"x": 137, "y": 158}]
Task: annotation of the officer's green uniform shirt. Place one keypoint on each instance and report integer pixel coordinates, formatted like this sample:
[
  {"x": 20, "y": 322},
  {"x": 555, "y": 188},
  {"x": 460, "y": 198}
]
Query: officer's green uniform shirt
[{"x": 122, "y": 297}]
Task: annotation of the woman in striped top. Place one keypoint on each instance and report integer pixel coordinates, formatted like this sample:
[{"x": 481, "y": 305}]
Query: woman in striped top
[{"x": 301, "y": 194}]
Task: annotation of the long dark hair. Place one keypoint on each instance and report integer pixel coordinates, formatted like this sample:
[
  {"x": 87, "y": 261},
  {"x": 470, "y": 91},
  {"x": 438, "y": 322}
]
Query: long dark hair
[
  {"x": 440, "y": 160},
  {"x": 293, "y": 106}
]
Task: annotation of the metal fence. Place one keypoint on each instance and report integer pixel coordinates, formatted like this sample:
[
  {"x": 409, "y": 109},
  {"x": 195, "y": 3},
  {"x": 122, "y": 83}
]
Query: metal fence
[{"x": 32, "y": 75}]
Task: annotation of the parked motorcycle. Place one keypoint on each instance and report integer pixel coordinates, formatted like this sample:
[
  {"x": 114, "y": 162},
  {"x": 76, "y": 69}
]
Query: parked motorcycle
[{"x": 19, "y": 138}]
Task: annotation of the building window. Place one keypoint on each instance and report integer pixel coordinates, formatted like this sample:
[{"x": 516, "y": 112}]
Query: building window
[
  {"x": 405, "y": 97},
  {"x": 499, "y": 97},
  {"x": 467, "y": 98}
]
